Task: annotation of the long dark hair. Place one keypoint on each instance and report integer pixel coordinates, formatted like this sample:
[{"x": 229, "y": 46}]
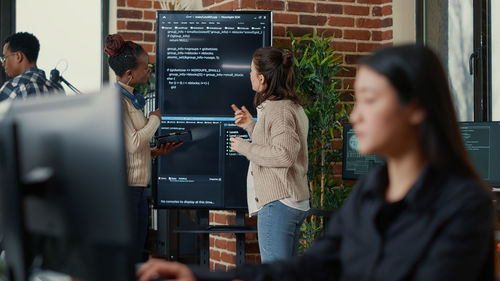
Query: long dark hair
[
  {"x": 417, "y": 75},
  {"x": 122, "y": 54},
  {"x": 277, "y": 67}
]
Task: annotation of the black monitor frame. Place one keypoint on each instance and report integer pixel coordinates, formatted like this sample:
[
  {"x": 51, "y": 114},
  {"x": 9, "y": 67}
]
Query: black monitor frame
[{"x": 63, "y": 185}]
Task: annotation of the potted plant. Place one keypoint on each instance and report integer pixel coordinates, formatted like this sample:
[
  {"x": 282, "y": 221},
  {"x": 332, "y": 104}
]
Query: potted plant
[{"x": 316, "y": 63}]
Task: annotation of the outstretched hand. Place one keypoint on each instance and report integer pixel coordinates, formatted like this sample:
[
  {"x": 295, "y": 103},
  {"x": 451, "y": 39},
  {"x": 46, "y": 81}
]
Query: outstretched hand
[
  {"x": 241, "y": 116},
  {"x": 165, "y": 148},
  {"x": 158, "y": 268}
]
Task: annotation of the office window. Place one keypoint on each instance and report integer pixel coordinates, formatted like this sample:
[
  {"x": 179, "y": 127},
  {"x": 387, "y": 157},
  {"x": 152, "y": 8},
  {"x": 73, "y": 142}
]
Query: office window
[
  {"x": 447, "y": 27},
  {"x": 70, "y": 38}
]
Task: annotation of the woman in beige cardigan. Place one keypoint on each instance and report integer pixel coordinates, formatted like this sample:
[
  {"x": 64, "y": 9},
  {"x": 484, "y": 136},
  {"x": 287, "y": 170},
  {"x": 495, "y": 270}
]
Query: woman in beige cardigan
[
  {"x": 129, "y": 61},
  {"x": 277, "y": 182}
]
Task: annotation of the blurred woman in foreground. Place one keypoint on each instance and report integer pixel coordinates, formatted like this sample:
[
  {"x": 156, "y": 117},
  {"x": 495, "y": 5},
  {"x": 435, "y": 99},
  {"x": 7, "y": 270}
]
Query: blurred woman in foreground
[{"x": 425, "y": 215}]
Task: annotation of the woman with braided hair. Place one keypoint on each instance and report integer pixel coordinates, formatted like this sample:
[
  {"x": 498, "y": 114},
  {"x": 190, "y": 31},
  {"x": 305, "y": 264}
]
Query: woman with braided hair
[{"x": 129, "y": 61}]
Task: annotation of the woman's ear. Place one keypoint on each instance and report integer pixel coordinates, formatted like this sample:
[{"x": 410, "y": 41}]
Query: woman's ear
[{"x": 261, "y": 78}]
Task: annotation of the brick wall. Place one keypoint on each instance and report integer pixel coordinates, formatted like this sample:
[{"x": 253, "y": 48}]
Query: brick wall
[{"x": 360, "y": 26}]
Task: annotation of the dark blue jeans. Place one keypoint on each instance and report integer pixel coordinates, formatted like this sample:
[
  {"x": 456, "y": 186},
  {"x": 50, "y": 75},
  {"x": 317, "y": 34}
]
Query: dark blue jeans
[{"x": 140, "y": 218}]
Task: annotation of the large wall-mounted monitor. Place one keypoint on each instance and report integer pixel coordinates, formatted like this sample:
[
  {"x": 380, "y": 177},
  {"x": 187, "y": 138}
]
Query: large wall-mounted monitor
[
  {"x": 354, "y": 164},
  {"x": 203, "y": 66},
  {"x": 482, "y": 142}
]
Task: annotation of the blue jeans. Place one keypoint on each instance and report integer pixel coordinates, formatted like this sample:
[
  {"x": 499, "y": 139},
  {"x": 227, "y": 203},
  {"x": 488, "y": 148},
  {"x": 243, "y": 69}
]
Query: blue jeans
[
  {"x": 278, "y": 229},
  {"x": 140, "y": 218}
]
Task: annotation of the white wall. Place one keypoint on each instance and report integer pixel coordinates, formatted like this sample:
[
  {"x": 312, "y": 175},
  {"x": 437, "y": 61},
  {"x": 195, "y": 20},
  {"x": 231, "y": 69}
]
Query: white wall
[
  {"x": 403, "y": 25},
  {"x": 69, "y": 32}
]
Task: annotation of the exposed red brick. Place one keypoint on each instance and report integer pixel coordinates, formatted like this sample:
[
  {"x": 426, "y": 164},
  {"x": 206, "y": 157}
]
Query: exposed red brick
[
  {"x": 220, "y": 267},
  {"x": 120, "y": 24},
  {"x": 357, "y": 34},
  {"x": 252, "y": 247},
  {"x": 341, "y": 21},
  {"x": 387, "y": 10},
  {"x": 329, "y": 8},
  {"x": 152, "y": 58},
  {"x": 312, "y": 20},
  {"x": 253, "y": 258},
  {"x": 227, "y": 235},
  {"x": 215, "y": 255},
  {"x": 370, "y": 1},
  {"x": 150, "y": 37},
  {"x": 352, "y": 59},
  {"x": 387, "y": 35},
  {"x": 224, "y": 7},
  {"x": 337, "y": 169},
  {"x": 377, "y": 11},
  {"x": 285, "y": 18},
  {"x": 368, "y": 47},
  {"x": 120, "y": 3},
  {"x": 147, "y": 47},
  {"x": 301, "y": 7},
  {"x": 279, "y": 31},
  {"x": 336, "y": 144},
  {"x": 131, "y": 14},
  {"x": 250, "y": 236},
  {"x": 133, "y": 36},
  {"x": 328, "y": 32},
  {"x": 207, "y": 3},
  {"x": 150, "y": 15},
  {"x": 211, "y": 216},
  {"x": 220, "y": 218},
  {"x": 139, "y": 25},
  {"x": 225, "y": 257},
  {"x": 356, "y": 10},
  {"x": 270, "y": 5},
  {"x": 387, "y": 22},
  {"x": 140, "y": 3},
  {"x": 342, "y": 0},
  {"x": 231, "y": 246},
  {"x": 231, "y": 219},
  {"x": 344, "y": 46},
  {"x": 218, "y": 1},
  {"x": 220, "y": 243},
  {"x": 299, "y": 31},
  {"x": 347, "y": 71},
  {"x": 157, "y": 5},
  {"x": 211, "y": 242},
  {"x": 368, "y": 23},
  {"x": 284, "y": 41},
  {"x": 382, "y": 35},
  {"x": 247, "y": 4}
]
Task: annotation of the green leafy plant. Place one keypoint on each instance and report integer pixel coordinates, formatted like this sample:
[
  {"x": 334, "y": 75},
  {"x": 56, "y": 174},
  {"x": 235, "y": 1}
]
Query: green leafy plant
[{"x": 316, "y": 63}]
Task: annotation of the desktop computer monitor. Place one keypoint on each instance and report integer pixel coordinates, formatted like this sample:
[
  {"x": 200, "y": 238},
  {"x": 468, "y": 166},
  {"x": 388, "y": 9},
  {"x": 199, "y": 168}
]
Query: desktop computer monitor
[
  {"x": 63, "y": 183},
  {"x": 354, "y": 164},
  {"x": 482, "y": 142}
]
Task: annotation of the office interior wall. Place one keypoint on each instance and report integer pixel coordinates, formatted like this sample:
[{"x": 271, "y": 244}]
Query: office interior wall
[
  {"x": 404, "y": 22},
  {"x": 69, "y": 32}
]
